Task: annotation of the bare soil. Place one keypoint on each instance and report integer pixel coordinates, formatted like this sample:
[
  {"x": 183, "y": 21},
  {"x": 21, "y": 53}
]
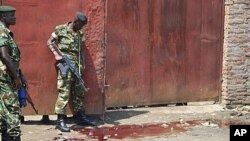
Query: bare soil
[{"x": 194, "y": 122}]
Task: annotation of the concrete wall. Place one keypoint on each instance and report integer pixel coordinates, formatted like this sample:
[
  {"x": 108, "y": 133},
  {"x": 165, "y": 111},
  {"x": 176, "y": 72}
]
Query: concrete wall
[{"x": 236, "y": 54}]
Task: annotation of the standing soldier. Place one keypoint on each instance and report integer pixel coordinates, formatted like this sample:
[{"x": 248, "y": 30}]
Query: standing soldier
[
  {"x": 9, "y": 77},
  {"x": 67, "y": 39}
]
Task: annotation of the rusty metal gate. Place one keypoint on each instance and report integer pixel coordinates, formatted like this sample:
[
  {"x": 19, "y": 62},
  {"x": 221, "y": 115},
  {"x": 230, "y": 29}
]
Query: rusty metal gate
[
  {"x": 163, "y": 51},
  {"x": 157, "y": 51},
  {"x": 36, "y": 19}
]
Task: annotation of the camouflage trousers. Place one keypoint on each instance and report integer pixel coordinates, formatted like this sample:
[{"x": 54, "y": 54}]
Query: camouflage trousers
[
  {"x": 69, "y": 89},
  {"x": 9, "y": 109}
]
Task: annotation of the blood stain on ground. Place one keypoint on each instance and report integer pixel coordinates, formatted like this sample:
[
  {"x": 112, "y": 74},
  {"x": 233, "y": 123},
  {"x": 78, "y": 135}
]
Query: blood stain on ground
[{"x": 135, "y": 131}]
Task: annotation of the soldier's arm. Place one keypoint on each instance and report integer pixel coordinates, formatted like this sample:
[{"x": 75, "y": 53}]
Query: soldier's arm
[
  {"x": 54, "y": 49},
  {"x": 6, "y": 59}
]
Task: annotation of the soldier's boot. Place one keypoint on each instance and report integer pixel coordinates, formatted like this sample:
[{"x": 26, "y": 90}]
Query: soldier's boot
[
  {"x": 21, "y": 117},
  {"x": 5, "y": 136},
  {"x": 17, "y": 138},
  {"x": 82, "y": 119},
  {"x": 45, "y": 119},
  {"x": 60, "y": 123}
]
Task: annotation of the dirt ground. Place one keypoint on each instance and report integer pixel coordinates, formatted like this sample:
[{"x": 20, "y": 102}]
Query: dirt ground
[{"x": 194, "y": 122}]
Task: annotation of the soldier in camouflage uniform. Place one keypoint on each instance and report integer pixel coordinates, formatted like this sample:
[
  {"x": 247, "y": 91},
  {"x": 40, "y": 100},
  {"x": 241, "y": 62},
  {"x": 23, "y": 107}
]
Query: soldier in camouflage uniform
[
  {"x": 67, "y": 39},
  {"x": 9, "y": 77}
]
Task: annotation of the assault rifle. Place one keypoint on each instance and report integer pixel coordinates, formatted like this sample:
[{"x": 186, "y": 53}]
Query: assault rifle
[
  {"x": 65, "y": 65},
  {"x": 23, "y": 95}
]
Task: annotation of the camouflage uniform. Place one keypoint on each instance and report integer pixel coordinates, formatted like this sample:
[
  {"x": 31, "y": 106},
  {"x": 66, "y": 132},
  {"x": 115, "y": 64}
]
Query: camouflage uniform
[
  {"x": 9, "y": 104},
  {"x": 69, "y": 87}
]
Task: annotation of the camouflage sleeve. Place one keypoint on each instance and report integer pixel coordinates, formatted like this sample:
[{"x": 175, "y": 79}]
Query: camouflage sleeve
[
  {"x": 3, "y": 38},
  {"x": 58, "y": 31}
]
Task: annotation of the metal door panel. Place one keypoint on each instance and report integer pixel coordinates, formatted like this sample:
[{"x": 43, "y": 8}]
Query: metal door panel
[
  {"x": 180, "y": 43},
  {"x": 127, "y": 53}
]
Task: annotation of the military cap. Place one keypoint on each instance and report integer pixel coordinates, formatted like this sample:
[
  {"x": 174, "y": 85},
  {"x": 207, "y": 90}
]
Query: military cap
[
  {"x": 7, "y": 9},
  {"x": 80, "y": 16}
]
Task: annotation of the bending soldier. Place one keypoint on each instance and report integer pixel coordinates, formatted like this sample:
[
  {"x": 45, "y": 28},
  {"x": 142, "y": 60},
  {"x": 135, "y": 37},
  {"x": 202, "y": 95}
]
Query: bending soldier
[
  {"x": 9, "y": 77},
  {"x": 67, "y": 39}
]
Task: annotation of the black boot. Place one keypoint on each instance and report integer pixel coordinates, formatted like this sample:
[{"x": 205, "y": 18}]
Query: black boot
[
  {"x": 82, "y": 119},
  {"x": 60, "y": 124},
  {"x": 45, "y": 119},
  {"x": 18, "y": 138},
  {"x": 21, "y": 119},
  {"x": 5, "y": 136}
]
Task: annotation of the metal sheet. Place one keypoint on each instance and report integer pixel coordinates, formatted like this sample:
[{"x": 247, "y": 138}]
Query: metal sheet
[
  {"x": 35, "y": 22},
  {"x": 169, "y": 52},
  {"x": 163, "y": 51},
  {"x": 127, "y": 53},
  {"x": 205, "y": 41}
]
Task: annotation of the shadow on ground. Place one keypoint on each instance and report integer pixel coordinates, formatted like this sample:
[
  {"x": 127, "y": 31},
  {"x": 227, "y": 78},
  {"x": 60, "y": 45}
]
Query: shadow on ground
[{"x": 113, "y": 117}]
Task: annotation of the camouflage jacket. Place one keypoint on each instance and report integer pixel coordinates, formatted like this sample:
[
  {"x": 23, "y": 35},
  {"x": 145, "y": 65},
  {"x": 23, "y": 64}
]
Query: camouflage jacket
[
  {"x": 68, "y": 42},
  {"x": 6, "y": 39}
]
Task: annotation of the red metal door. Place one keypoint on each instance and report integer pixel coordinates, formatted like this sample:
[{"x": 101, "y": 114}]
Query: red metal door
[
  {"x": 36, "y": 19},
  {"x": 163, "y": 51}
]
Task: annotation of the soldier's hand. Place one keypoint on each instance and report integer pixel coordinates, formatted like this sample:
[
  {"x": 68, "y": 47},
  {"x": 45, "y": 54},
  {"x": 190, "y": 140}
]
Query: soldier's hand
[
  {"x": 86, "y": 89},
  {"x": 17, "y": 83},
  {"x": 25, "y": 83},
  {"x": 58, "y": 57}
]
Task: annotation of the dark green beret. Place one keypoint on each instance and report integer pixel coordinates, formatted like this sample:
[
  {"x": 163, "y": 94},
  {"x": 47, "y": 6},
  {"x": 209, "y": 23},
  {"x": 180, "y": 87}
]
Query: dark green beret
[
  {"x": 7, "y": 9},
  {"x": 80, "y": 16}
]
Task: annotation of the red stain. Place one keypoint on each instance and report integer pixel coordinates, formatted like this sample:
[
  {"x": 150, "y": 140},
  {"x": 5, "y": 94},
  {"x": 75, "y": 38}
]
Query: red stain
[{"x": 135, "y": 131}]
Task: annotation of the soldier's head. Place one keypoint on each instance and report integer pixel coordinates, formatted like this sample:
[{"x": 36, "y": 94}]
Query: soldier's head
[
  {"x": 80, "y": 21},
  {"x": 7, "y": 15}
]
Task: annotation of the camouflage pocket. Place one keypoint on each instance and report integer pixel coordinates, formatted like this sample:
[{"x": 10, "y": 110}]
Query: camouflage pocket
[
  {"x": 2, "y": 69},
  {"x": 2, "y": 72},
  {"x": 79, "y": 87}
]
